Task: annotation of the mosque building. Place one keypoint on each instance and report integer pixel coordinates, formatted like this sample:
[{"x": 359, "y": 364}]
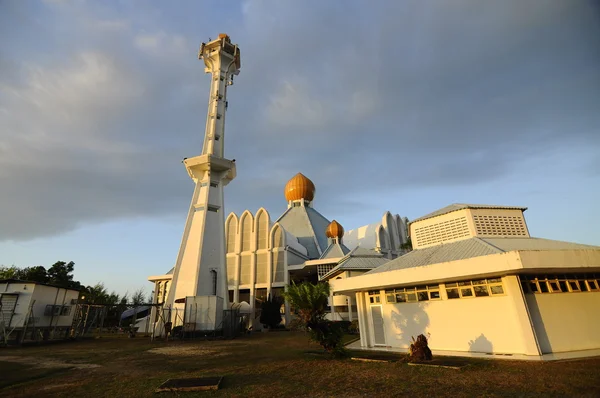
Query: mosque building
[{"x": 263, "y": 255}]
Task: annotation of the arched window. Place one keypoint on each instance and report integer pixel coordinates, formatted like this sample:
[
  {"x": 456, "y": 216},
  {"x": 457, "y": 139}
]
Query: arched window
[
  {"x": 278, "y": 266},
  {"x": 392, "y": 230},
  {"x": 382, "y": 238},
  {"x": 262, "y": 230},
  {"x": 231, "y": 234},
  {"x": 213, "y": 274},
  {"x": 246, "y": 233},
  {"x": 278, "y": 237}
]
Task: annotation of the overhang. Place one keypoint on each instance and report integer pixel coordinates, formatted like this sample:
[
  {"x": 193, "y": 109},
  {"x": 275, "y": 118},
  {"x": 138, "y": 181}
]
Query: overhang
[{"x": 500, "y": 264}]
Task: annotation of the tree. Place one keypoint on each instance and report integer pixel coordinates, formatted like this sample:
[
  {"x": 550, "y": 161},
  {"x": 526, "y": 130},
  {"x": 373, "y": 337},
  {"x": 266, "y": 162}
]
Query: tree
[
  {"x": 310, "y": 301},
  {"x": 61, "y": 274},
  {"x": 96, "y": 294},
  {"x": 9, "y": 272},
  {"x": 270, "y": 314},
  {"x": 407, "y": 246},
  {"x": 138, "y": 297},
  {"x": 34, "y": 274}
]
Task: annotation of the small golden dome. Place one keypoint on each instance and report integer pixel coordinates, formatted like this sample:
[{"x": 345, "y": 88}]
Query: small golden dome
[
  {"x": 334, "y": 230},
  {"x": 299, "y": 187}
]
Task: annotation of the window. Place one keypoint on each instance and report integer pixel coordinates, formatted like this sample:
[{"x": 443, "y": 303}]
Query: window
[
  {"x": 213, "y": 274},
  {"x": 279, "y": 266},
  {"x": 323, "y": 269},
  {"x": 569, "y": 283},
  {"x": 261, "y": 267},
  {"x": 495, "y": 225},
  {"x": 477, "y": 288},
  {"x": 231, "y": 274},
  {"x": 442, "y": 231},
  {"x": 374, "y": 297},
  {"x": 231, "y": 235},
  {"x": 262, "y": 230},
  {"x": 413, "y": 294},
  {"x": 246, "y": 233},
  {"x": 245, "y": 268}
]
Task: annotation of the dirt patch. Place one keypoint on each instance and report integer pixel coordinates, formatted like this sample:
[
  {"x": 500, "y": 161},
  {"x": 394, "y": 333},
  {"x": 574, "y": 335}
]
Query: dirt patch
[
  {"x": 47, "y": 363},
  {"x": 61, "y": 386},
  {"x": 187, "y": 351}
]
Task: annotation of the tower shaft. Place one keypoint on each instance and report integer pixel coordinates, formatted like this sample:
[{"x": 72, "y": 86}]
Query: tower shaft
[{"x": 200, "y": 271}]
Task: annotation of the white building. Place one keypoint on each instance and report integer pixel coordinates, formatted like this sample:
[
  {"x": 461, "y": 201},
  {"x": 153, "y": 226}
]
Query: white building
[
  {"x": 264, "y": 255},
  {"x": 478, "y": 283},
  {"x": 32, "y": 307}
]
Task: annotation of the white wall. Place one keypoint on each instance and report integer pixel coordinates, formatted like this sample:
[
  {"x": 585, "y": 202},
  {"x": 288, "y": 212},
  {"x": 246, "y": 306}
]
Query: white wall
[
  {"x": 479, "y": 324},
  {"x": 566, "y": 321},
  {"x": 25, "y": 291},
  {"x": 48, "y": 295},
  {"x": 43, "y": 296}
]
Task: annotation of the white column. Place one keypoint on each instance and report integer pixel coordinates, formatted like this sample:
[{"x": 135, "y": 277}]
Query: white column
[
  {"x": 513, "y": 289},
  {"x": 362, "y": 319},
  {"x": 350, "y": 317},
  {"x": 286, "y": 280}
]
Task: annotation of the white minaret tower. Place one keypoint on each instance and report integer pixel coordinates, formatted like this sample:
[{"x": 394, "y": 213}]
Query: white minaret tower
[{"x": 200, "y": 269}]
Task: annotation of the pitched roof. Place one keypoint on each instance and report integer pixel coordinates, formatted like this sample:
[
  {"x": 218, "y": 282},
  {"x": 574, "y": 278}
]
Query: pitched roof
[
  {"x": 308, "y": 225},
  {"x": 335, "y": 250},
  {"x": 358, "y": 259},
  {"x": 461, "y": 206},
  {"x": 510, "y": 244},
  {"x": 474, "y": 247}
]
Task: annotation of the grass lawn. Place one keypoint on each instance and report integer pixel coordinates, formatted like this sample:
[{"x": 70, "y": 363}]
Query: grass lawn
[{"x": 270, "y": 365}]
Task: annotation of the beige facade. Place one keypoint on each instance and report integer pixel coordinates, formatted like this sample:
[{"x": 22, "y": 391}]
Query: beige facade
[
  {"x": 499, "y": 291},
  {"x": 467, "y": 223}
]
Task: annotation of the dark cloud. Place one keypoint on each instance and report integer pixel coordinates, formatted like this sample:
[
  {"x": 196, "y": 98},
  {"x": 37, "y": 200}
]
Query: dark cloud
[{"x": 100, "y": 105}]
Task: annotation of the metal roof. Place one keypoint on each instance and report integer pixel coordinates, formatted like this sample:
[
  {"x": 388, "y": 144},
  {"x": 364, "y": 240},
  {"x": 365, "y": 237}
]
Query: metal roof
[
  {"x": 474, "y": 247},
  {"x": 308, "y": 225},
  {"x": 358, "y": 258},
  {"x": 335, "y": 250},
  {"x": 461, "y": 206},
  {"x": 510, "y": 244},
  {"x": 12, "y": 280}
]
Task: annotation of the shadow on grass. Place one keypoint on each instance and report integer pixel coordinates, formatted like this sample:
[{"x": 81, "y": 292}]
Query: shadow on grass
[{"x": 30, "y": 375}]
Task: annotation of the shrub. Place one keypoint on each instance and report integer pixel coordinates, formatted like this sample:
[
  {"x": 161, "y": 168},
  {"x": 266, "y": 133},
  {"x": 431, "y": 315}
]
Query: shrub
[
  {"x": 310, "y": 302},
  {"x": 297, "y": 325},
  {"x": 270, "y": 314},
  {"x": 419, "y": 350}
]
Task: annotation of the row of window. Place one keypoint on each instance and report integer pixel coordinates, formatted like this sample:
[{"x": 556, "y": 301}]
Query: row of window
[
  {"x": 412, "y": 294},
  {"x": 455, "y": 290},
  {"x": 57, "y": 310},
  {"x": 477, "y": 288},
  {"x": 560, "y": 283}
]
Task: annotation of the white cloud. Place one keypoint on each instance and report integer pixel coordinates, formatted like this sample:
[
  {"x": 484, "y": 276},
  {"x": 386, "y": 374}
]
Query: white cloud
[{"x": 161, "y": 43}]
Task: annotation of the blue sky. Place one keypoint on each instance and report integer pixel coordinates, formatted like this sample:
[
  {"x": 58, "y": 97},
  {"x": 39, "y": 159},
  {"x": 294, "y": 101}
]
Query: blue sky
[{"x": 405, "y": 106}]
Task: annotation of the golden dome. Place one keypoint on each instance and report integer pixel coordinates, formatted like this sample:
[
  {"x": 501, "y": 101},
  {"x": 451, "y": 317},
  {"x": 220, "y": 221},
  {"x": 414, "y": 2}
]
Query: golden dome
[
  {"x": 334, "y": 230},
  {"x": 299, "y": 187}
]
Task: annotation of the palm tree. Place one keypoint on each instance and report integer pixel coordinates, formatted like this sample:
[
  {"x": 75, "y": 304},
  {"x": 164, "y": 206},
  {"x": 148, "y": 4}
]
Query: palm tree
[{"x": 310, "y": 301}]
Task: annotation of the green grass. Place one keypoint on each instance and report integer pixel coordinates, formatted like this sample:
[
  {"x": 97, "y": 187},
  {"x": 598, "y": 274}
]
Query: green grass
[{"x": 273, "y": 365}]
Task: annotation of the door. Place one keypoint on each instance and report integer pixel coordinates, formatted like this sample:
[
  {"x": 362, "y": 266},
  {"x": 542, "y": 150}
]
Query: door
[
  {"x": 8, "y": 303},
  {"x": 377, "y": 320}
]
